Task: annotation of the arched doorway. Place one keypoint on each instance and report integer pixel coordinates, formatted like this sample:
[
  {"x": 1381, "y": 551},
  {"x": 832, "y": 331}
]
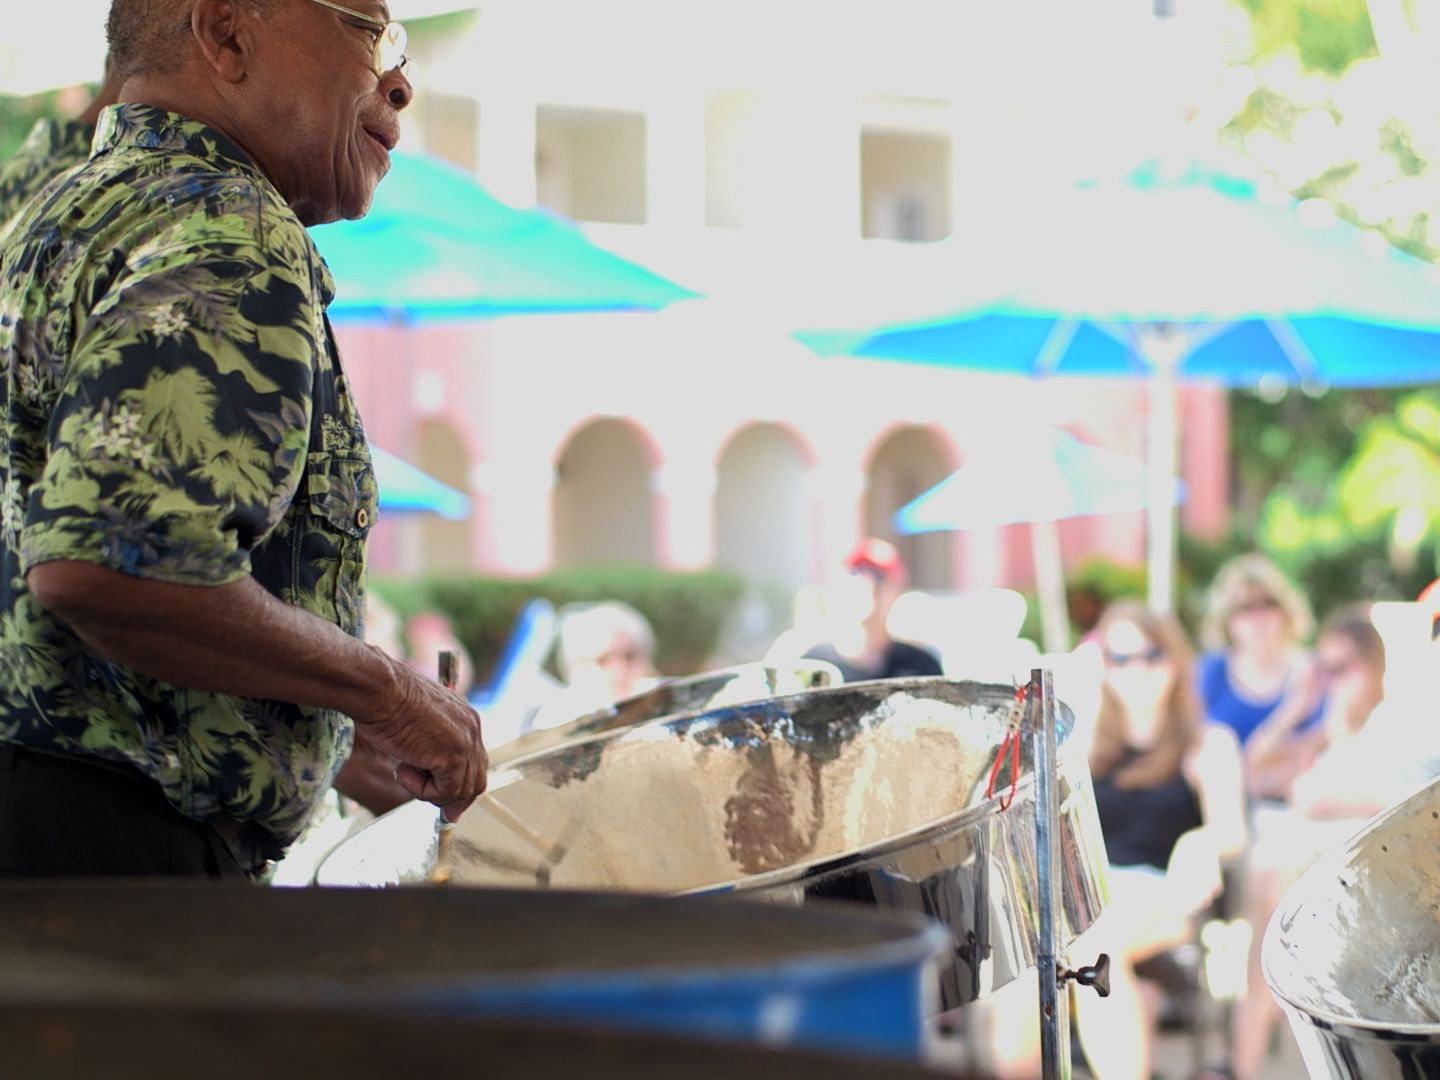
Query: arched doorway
[
  {"x": 908, "y": 463},
  {"x": 444, "y": 545},
  {"x": 763, "y": 523},
  {"x": 604, "y": 496}
]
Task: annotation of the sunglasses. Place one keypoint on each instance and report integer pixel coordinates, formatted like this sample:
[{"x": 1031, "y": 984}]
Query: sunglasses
[
  {"x": 388, "y": 49},
  {"x": 1148, "y": 657},
  {"x": 1250, "y": 607},
  {"x": 1435, "y": 627}
]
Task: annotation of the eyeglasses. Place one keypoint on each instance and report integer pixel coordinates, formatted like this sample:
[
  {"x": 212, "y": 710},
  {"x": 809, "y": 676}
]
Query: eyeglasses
[
  {"x": 390, "y": 39},
  {"x": 1148, "y": 657},
  {"x": 623, "y": 655},
  {"x": 1257, "y": 604},
  {"x": 1334, "y": 669}
]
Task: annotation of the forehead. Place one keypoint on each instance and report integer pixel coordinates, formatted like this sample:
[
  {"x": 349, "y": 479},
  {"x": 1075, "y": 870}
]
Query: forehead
[{"x": 1124, "y": 636}]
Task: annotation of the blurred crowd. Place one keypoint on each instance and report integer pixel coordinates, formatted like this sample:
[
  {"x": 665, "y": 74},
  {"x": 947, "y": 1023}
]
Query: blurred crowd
[{"x": 1219, "y": 774}]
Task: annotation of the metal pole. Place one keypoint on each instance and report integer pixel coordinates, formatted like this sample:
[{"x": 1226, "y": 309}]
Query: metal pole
[
  {"x": 1162, "y": 348},
  {"x": 1054, "y": 998}
]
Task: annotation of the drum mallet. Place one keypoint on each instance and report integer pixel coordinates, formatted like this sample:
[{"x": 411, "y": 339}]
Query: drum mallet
[{"x": 444, "y": 828}]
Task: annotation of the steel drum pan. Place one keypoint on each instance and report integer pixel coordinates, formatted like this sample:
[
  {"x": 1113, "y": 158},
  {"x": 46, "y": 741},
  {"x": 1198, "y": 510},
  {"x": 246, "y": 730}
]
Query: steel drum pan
[
  {"x": 710, "y": 690},
  {"x": 870, "y": 792},
  {"x": 837, "y": 979},
  {"x": 122, "y": 1041},
  {"x": 1353, "y": 952}
]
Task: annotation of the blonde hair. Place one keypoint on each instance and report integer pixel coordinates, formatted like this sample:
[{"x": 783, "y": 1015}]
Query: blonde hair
[
  {"x": 1180, "y": 726},
  {"x": 1246, "y": 575}
]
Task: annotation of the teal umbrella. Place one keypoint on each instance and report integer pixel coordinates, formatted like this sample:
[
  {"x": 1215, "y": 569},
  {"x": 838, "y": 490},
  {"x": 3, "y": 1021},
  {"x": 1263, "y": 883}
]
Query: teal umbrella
[
  {"x": 1180, "y": 270},
  {"x": 437, "y": 245},
  {"x": 406, "y": 489}
]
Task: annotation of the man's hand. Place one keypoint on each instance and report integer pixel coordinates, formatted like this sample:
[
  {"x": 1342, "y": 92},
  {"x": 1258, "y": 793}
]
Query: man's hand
[
  {"x": 368, "y": 777},
  {"x": 434, "y": 736}
]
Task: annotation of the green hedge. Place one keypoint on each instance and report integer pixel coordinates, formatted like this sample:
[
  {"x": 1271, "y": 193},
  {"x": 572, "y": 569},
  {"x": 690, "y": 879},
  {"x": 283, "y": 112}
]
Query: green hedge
[{"x": 687, "y": 610}]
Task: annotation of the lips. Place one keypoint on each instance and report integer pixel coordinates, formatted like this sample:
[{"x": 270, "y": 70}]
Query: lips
[{"x": 386, "y": 137}]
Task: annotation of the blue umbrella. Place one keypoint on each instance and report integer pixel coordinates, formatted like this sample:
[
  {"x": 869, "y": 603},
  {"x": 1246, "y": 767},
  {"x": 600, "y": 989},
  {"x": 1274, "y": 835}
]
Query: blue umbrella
[
  {"x": 437, "y": 245},
  {"x": 406, "y": 489},
  {"x": 1035, "y": 478},
  {"x": 1187, "y": 272}
]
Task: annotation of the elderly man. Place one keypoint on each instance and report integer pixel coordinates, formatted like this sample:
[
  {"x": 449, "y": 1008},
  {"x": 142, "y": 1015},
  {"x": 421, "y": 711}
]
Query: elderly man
[
  {"x": 185, "y": 488},
  {"x": 51, "y": 147}
]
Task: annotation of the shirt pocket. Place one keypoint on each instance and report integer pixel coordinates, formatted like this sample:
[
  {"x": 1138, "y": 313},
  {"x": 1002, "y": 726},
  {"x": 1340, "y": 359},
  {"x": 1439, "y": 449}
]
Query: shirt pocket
[{"x": 342, "y": 503}]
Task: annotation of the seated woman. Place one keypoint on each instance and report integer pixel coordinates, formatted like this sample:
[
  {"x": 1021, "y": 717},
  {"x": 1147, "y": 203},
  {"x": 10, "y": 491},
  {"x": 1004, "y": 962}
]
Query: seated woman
[
  {"x": 1170, "y": 793},
  {"x": 1258, "y": 679},
  {"x": 1359, "y": 763}
]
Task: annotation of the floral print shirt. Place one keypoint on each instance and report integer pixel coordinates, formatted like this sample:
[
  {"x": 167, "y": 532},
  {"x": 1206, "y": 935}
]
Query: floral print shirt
[
  {"x": 173, "y": 408},
  {"x": 51, "y": 147}
]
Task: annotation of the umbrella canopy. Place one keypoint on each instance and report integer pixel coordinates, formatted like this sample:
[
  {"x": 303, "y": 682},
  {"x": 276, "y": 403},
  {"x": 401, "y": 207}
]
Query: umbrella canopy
[
  {"x": 406, "y": 489},
  {"x": 437, "y": 245},
  {"x": 1183, "y": 271},
  {"x": 1037, "y": 478},
  {"x": 1045, "y": 476}
]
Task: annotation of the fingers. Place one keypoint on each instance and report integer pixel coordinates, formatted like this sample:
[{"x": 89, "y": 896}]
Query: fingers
[{"x": 452, "y": 811}]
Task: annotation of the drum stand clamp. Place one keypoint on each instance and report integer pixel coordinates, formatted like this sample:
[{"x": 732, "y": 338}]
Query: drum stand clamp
[{"x": 1096, "y": 975}]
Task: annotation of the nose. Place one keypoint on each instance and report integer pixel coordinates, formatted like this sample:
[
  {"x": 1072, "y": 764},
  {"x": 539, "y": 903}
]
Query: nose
[{"x": 397, "y": 89}]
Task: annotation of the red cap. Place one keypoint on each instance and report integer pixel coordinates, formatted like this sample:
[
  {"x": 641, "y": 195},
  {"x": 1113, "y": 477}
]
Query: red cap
[
  {"x": 1429, "y": 597},
  {"x": 876, "y": 556}
]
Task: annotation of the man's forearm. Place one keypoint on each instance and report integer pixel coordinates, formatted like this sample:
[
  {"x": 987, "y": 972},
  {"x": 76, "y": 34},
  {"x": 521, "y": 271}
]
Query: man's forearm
[{"x": 229, "y": 639}]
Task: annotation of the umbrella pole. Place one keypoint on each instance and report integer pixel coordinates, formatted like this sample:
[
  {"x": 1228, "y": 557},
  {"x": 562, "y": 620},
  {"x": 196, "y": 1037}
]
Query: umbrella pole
[
  {"x": 1162, "y": 349},
  {"x": 1050, "y": 586}
]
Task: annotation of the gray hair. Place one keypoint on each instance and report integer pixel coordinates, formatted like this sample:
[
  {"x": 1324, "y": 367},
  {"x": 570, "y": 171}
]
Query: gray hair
[
  {"x": 150, "y": 35},
  {"x": 586, "y": 632}
]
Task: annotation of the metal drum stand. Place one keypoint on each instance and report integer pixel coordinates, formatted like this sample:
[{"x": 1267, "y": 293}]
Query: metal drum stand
[{"x": 1054, "y": 974}]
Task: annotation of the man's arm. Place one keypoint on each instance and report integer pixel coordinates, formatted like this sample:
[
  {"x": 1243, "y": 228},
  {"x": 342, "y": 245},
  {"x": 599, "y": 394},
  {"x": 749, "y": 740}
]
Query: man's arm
[{"x": 239, "y": 639}]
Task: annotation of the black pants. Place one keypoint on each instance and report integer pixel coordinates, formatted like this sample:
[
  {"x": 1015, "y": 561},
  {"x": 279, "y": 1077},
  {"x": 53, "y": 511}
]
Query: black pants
[{"x": 66, "y": 817}]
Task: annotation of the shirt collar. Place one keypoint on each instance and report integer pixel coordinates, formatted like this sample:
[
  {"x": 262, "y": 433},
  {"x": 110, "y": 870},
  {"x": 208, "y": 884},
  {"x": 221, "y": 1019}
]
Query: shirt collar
[
  {"x": 146, "y": 127},
  {"x": 59, "y": 139}
]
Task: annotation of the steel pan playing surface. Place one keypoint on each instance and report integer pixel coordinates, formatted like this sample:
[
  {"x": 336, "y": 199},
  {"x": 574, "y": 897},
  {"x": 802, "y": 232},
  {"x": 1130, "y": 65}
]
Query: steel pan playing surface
[{"x": 873, "y": 792}]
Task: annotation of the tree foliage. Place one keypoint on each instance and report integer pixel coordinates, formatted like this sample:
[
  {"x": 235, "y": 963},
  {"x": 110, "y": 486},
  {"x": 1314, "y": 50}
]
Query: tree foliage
[{"x": 1342, "y": 489}]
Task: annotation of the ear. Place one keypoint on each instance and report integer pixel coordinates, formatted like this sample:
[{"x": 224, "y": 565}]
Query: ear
[{"x": 223, "y": 31}]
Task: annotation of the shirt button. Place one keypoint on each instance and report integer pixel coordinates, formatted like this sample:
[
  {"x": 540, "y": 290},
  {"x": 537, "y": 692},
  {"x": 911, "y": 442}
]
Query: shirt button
[{"x": 362, "y": 518}]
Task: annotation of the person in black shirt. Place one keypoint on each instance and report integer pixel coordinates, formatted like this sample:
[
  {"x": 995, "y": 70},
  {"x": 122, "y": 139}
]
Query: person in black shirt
[{"x": 861, "y": 645}]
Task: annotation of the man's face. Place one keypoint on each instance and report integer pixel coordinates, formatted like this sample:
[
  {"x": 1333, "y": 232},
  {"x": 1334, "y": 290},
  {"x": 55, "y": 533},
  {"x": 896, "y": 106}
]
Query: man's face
[{"x": 325, "y": 122}]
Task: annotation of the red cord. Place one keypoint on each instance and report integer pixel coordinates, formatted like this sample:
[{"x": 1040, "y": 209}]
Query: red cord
[{"x": 1010, "y": 743}]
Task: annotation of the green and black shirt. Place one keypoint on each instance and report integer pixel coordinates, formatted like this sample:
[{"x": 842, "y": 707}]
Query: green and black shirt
[{"x": 174, "y": 409}]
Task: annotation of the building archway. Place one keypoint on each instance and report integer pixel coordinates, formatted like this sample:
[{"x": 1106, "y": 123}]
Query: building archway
[
  {"x": 764, "y": 525},
  {"x": 444, "y": 545},
  {"x": 905, "y": 464},
  {"x": 604, "y": 502}
]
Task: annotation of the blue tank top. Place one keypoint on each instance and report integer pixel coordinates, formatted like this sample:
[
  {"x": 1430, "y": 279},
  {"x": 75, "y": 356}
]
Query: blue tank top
[{"x": 1224, "y": 705}]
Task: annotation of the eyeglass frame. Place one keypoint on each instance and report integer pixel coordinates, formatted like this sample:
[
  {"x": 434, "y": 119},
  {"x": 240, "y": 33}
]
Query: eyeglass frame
[
  {"x": 382, "y": 30},
  {"x": 1149, "y": 657}
]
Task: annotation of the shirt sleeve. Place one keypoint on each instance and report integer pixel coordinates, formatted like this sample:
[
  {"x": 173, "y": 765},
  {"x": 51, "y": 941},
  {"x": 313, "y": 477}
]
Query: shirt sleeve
[{"x": 180, "y": 433}]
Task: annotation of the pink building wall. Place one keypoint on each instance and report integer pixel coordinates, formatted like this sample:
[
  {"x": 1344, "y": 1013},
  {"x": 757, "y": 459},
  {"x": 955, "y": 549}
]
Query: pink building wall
[{"x": 686, "y": 383}]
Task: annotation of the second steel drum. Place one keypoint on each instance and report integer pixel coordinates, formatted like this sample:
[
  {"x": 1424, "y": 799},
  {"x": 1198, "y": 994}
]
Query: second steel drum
[
  {"x": 834, "y": 980},
  {"x": 1353, "y": 952},
  {"x": 870, "y": 792},
  {"x": 129, "y": 1041}
]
